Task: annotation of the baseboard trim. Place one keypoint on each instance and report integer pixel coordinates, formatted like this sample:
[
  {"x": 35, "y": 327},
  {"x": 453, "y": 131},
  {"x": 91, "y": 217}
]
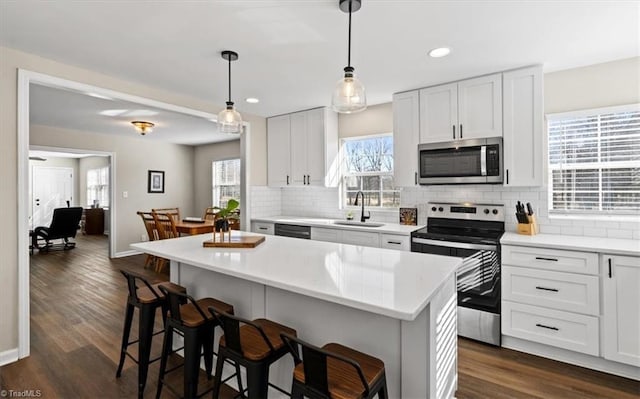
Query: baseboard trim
[
  {"x": 8, "y": 356},
  {"x": 126, "y": 253},
  {"x": 575, "y": 358}
]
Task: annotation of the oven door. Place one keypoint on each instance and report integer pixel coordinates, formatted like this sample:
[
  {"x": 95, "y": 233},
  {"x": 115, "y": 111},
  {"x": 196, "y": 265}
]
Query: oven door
[{"x": 478, "y": 278}]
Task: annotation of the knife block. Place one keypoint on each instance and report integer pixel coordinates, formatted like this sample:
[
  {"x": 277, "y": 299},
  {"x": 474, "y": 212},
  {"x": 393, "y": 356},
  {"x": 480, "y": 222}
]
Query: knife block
[{"x": 529, "y": 229}]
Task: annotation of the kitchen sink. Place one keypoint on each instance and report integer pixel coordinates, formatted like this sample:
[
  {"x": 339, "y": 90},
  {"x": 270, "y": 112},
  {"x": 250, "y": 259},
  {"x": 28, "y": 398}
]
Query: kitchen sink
[{"x": 356, "y": 223}]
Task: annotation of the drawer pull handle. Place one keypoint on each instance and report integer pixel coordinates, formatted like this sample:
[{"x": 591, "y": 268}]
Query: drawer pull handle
[
  {"x": 547, "y": 289},
  {"x": 547, "y": 327},
  {"x": 609, "y": 267},
  {"x": 394, "y": 242},
  {"x": 549, "y": 259},
  {"x": 262, "y": 228}
]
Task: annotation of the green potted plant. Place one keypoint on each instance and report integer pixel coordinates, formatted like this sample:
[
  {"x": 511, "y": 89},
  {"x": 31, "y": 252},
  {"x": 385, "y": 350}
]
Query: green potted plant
[{"x": 224, "y": 214}]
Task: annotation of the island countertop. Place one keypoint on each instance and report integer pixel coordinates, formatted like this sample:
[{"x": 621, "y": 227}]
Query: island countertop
[{"x": 388, "y": 282}]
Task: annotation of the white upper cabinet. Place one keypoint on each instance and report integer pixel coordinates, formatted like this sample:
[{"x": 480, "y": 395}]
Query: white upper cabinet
[
  {"x": 621, "y": 297},
  {"x": 439, "y": 113},
  {"x": 523, "y": 127},
  {"x": 302, "y": 149},
  {"x": 406, "y": 136},
  {"x": 279, "y": 150},
  {"x": 469, "y": 109}
]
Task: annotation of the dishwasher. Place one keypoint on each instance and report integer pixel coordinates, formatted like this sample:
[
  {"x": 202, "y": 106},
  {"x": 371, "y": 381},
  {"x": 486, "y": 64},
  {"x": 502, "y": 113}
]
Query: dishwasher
[{"x": 292, "y": 230}]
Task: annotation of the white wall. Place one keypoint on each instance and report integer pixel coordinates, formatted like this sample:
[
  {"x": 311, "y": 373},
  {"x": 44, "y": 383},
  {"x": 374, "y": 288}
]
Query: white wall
[
  {"x": 601, "y": 85},
  {"x": 204, "y": 155}
]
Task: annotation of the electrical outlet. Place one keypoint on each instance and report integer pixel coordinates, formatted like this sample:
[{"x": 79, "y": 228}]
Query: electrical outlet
[
  {"x": 143, "y": 237},
  {"x": 125, "y": 194}
]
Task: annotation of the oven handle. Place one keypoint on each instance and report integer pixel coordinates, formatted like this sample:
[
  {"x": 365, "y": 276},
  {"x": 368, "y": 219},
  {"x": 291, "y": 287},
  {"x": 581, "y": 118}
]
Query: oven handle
[{"x": 450, "y": 244}]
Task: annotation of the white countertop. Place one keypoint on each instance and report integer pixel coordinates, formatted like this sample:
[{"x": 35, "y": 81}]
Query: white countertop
[
  {"x": 616, "y": 246},
  {"x": 397, "y": 284},
  {"x": 389, "y": 228}
]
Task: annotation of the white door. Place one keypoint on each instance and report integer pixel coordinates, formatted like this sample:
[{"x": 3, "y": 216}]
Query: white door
[
  {"x": 406, "y": 135},
  {"x": 278, "y": 150},
  {"x": 480, "y": 107},
  {"x": 439, "y": 113},
  {"x": 316, "y": 147},
  {"x": 621, "y": 294},
  {"x": 52, "y": 187},
  {"x": 299, "y": 148}
]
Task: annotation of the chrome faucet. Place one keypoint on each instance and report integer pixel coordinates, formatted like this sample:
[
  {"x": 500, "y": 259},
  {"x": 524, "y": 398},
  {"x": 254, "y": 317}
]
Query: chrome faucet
[{"x": 363, "y": 218}]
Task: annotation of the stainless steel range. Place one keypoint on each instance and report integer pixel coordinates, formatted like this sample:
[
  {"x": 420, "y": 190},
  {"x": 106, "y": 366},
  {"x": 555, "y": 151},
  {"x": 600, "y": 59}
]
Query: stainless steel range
[{"x": 471, "y": 232}]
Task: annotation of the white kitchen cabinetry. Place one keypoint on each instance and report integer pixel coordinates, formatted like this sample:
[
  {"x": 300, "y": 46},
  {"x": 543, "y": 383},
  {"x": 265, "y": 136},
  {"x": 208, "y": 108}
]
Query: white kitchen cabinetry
[
  {"x": 406, "y": 136},
  {"x": 395, "y": 241},
  {"x": 621, "y": 297},
  {"x": 468, "y": 109},
  {"x": 523, "y": 126},
  {"x": 353, "y": 237},
  {"x": 328, "y": 235},
  {"x": 304, "y": 149},
  {"x": 262, "y": 227},
  {"x": 551, "y": 297}
]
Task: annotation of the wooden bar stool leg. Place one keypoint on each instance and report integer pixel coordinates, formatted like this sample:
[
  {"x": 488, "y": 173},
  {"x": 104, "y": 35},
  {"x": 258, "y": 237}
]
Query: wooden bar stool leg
[
  {"x": 257, "y": 380},
  {"x": 146, "y": 321},
  {"x": 128, "y": 318}
]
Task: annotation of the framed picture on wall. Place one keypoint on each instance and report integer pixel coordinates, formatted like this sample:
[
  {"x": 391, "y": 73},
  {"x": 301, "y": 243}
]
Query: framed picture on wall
[{"x": 155, "y": 183}]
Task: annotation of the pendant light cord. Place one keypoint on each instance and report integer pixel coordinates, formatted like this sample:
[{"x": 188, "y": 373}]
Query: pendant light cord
[
  {"x": 349, "y": 50},
  {"x": 229, "y": 78}
]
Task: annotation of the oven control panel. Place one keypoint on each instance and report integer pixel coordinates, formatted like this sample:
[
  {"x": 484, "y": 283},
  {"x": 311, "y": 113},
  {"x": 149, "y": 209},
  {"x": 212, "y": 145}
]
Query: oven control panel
[{"x": 491, "y": 212}]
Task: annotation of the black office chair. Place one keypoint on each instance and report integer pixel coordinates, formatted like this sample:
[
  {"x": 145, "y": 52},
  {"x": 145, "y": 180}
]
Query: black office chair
[{"x": 64, "y": 225}]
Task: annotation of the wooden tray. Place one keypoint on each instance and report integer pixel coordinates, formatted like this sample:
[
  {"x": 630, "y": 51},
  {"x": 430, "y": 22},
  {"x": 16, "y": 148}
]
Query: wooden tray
[{"x": 236, "y": 242}]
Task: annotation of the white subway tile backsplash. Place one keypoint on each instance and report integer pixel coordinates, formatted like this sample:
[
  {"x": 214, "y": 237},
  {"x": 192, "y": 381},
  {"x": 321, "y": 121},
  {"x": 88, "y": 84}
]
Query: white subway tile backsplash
[
  {"x": 619, "y": 233},
  {"x": 595, "y": 232},
  {"x": 572, "y": 230}
]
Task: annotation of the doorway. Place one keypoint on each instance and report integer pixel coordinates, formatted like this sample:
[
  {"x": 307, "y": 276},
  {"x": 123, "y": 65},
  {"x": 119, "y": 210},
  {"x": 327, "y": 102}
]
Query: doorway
[{"x": 51, "y": 188}]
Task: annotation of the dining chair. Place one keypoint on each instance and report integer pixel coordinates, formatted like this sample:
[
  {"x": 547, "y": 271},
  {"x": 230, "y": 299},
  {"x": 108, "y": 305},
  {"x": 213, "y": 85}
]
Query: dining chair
[
  {"x": 152, "y": 233},
  {"x": 174, "y": 212},
  {"x": 166, "y": 227},
  {"x": 211, "y": 213}
]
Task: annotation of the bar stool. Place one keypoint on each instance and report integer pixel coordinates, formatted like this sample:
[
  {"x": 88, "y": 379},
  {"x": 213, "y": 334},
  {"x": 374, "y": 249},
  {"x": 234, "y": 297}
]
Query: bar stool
[
  {"x": 334, "y": 371},
  {"x": 187, "y": 318},
  {"x": 255, "y": 345},
  {"x": 147, "y": 298}
]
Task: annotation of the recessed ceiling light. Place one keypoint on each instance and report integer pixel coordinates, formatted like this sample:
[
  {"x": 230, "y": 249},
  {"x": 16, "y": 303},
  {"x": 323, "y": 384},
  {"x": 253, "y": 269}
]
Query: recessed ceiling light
[
  {"x": 252, "y": 100},
  {"x": 439, "y": 52}
]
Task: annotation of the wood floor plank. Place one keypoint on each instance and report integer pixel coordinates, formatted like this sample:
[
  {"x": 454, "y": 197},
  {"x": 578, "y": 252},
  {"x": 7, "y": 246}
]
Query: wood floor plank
[{"x": 77, "y": 310}]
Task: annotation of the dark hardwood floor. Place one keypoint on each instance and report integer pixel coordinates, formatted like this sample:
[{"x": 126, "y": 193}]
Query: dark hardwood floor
[{"x": 77, "y": 304}]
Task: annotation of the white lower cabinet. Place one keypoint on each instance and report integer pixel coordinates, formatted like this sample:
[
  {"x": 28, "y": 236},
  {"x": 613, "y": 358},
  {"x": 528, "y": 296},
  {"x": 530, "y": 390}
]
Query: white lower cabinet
[
  {"x": 262, "y": 227},
  {"x": 395, "y": 241},
  {"x": 328, "y": 235},
  {"x": 363, "y": 238},
  {"x": 621, "y": 299}
]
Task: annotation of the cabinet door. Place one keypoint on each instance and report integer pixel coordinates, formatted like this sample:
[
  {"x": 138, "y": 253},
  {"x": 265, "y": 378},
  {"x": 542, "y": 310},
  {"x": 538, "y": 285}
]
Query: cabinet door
[
  {"x": 439, "y": 113},
  {"x": 621, "y": 289},
  {"x": 406, "y": 135},
  {"x": 278, "y": 151},
  {"x": 523, "y": 117},
  {"x": 315, "y": 147},
  {"x": 363, "y": 238},
  {"x": 299, "y": 148},
  {"x": 395, "y": 241},
  {"x": 480, "y": 107}
]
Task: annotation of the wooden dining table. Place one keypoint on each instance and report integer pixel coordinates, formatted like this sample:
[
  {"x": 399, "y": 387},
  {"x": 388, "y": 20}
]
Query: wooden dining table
[{"x": 192, "y": 228}]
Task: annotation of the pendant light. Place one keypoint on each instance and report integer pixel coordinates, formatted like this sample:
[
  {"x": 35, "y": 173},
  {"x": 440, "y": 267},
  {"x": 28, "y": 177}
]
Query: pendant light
[
  {"x": 229, "y": 120},
  {"x": 349, "y": 95}
]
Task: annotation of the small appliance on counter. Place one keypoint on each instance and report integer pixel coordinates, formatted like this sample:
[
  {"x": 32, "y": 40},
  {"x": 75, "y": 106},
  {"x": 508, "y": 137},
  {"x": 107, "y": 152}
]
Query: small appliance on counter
[
  {"x": 527, "y": 223},
  {"x": 471, "y": 232}
]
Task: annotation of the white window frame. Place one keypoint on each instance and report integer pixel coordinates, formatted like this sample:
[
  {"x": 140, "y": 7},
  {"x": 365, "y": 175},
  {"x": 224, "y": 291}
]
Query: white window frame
[
  {"x": 216, "y": 201},
  {"x": 343, "y": 174},
  {"x": 100, "y": 187},
  {"x": 594, "y": 165}
]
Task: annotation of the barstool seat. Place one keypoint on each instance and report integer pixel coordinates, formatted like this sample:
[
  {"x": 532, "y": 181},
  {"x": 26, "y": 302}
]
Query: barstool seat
[
  {"x": 146, "y": 295},
  {"x": 254, "y": 346},
  {"x": 191, "y": 317}
]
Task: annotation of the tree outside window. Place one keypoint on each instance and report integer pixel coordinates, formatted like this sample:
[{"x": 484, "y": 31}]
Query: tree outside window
[
  {"x": 226, "y": 181},
  {"x": 368, "y": 167}
]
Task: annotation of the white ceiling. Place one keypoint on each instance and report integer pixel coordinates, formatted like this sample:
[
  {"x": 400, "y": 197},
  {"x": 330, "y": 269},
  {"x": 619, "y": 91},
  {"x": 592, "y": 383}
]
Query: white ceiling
[
  {"x": 292, "y": 52},
  {"x": 79, "y": 111}
]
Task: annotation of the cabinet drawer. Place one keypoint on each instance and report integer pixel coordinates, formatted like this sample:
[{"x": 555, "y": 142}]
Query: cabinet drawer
[
  {"x": 262, "y": 227},
  {"x": 562, "y": 291},
  {"x": 361, "y": 238},
  {"x": 550, "y": 259},
  {"x": 395, "y": 241},
  {"x": 565, "y": 330},
  {"x": 329, "y": 235}
]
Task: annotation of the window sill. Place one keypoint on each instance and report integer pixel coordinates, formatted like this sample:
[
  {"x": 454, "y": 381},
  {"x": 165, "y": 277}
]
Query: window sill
[{"x": 604, "y": 218}]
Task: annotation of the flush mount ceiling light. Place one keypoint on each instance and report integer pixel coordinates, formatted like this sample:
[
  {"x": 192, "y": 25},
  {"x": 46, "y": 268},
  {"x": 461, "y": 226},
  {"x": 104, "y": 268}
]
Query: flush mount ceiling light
[
  {"x": 439, "y": 52},
  {"x": 229, "y": 120},
  {"x": 143, "y": 127},
  {"x": 349, "y": 95}
]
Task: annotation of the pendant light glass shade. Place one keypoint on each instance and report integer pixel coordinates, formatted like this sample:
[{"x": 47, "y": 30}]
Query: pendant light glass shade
[
  {"x": 349, "y": 95},
  {"x": 229, "y": 120}
]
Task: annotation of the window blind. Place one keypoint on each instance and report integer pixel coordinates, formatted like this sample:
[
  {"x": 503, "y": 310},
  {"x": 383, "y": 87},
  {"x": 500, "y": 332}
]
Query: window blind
[{"x": 594, "y": 161}]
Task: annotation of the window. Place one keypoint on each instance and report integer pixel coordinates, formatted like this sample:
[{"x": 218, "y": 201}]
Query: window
[
  {"x": 368, "y": 167},
  {"x": 98, "y": 186},
  {"x": 226, "y": 181},
  {"x": 594, "y": 161}
]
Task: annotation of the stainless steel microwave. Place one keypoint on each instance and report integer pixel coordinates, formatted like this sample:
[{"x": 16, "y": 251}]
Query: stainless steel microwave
[{"x": 473, "y": 161}]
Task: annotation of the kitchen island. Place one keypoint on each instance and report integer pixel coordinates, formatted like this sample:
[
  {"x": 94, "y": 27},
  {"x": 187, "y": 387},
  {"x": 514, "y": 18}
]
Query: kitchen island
[{"x": 398, "y": 306}]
